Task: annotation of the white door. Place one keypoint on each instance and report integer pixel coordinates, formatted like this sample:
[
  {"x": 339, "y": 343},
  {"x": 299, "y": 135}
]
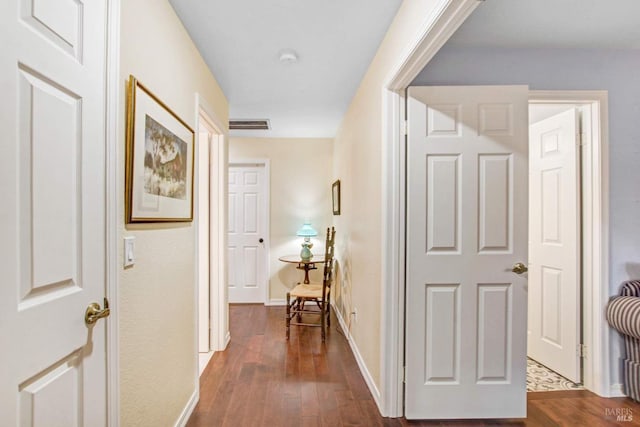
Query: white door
[
  {"x": 554, "y": 244},
  {"x": 466, "y": 228},
  {"x": 52, "y": 214},
  {"x": 247, "y": 233}
]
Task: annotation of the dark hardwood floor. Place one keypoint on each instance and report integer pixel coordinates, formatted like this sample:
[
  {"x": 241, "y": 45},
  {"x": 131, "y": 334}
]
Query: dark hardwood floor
[{"x": 264, "y": 380}]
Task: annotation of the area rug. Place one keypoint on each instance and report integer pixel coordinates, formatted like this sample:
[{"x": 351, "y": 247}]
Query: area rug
[{"x": 541, "y": 378}]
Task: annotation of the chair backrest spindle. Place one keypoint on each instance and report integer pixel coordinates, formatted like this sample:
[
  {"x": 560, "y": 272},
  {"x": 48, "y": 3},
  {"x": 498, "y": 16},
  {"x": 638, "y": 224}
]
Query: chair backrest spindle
[{"x": 328, "y": 259}]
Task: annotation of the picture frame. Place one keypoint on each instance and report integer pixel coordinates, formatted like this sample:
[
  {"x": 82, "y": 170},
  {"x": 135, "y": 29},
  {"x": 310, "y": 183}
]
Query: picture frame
[
  {"x": 335, "y": 197},
  {"x": 159, "y": 160}
]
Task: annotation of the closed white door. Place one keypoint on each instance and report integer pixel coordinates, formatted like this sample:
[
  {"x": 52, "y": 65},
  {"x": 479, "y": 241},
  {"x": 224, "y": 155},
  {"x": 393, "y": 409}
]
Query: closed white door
[
  {"x": 52, "y": 214},
  {"x": 247, "y": 234},
  {"x": 554, "y": 244},
  {"x": 466, "y": 228}
]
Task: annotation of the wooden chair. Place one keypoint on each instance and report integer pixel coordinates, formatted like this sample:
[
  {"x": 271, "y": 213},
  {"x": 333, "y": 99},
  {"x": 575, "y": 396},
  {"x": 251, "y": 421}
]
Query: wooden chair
[{"x": 313, "y": 299}]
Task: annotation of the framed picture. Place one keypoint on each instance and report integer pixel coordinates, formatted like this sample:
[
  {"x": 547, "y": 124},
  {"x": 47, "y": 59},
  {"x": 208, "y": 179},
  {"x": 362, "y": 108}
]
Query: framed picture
[
  {"x": 335, "y": 196},
  {"x": 159, "y": 160}
]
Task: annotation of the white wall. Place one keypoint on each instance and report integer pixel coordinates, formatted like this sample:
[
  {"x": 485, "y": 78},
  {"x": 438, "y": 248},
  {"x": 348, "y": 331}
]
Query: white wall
[
  {"x": 157, "y": 295},
  {"x": 580, "y": 69},
  {"x": 300, "y": 188}
]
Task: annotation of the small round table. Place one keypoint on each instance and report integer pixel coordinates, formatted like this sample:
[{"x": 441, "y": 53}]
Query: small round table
[{"x": 303, "y": 265}]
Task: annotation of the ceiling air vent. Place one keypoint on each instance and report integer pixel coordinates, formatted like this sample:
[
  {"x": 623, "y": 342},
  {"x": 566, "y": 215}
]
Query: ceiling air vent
[{"x": 258, "y": 124}]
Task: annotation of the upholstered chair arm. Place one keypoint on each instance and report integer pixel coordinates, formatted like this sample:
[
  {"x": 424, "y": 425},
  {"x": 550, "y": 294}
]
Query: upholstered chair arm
[
  {"x": 623, "y": 314},
  {"x": 630, "y": 288}
]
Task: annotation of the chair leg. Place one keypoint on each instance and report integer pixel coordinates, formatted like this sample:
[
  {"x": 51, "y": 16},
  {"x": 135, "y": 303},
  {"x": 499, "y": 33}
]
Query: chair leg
[
  {"x": 322, "y": 321},
  {"x": 288, "y": 319},
  {"x": 328, "y": 310}
]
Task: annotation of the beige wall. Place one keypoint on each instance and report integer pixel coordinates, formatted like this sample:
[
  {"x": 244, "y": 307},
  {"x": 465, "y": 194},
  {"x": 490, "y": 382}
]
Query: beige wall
[
  {"x": 300, "y": 188},
  {"x": 157, "y": 295},
  {"x": 358, "y": 163}
]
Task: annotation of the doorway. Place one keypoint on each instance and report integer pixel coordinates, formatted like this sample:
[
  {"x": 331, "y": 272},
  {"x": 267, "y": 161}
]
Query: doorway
[
  {"x": 596, "y": 372},
  {"x": 589, "y": 351},
  {"x": 212, "y": 317},
  {"x": 554, "y": 333}
]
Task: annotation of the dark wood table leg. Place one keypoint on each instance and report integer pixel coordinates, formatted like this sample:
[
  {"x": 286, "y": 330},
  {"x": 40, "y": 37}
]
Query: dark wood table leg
[{"x": 306, "y": 274}]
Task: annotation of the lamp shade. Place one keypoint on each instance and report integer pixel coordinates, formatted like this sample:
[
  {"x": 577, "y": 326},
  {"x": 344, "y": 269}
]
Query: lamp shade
[{"x": 307, "y": 231}]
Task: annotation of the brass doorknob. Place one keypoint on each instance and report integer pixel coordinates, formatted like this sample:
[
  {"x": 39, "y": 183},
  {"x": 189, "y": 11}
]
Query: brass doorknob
[
  {"x": 519, "y": 268},
  {"x": 93, "y": 312}
]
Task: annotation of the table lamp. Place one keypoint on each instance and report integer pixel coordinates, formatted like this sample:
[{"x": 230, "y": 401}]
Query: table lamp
[{"x": 307, "y": 232}]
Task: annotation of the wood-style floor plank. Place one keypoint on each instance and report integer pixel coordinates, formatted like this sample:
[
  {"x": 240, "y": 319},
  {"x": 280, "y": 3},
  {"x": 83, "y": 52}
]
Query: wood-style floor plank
[{"x": 263, "y": 380}]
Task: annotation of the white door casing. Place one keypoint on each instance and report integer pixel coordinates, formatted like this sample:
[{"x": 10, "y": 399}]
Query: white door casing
[
  {"x": 216, "y": 264},
  {"x": 204, "y": 280},
  {"x": 466, "y": 227},
  {"x": 554, "y": 244},
  {"x": 247, "y": 226},
  {"x": 52, "y": 219}
]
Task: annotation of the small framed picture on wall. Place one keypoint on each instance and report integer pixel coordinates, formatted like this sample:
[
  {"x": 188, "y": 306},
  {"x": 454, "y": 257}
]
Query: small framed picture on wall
[{"x": 335, "y": 196}]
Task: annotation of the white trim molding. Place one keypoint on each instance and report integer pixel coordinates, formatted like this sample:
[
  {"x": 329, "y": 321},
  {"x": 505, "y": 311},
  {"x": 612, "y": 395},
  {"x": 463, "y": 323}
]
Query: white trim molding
[
  {"x": 617, "y": 390},
  {"x": 437, "y": 29},
  {"x": 218, "y": 230},
  {"x": 377, "y": 397},
  {"x": 220, "y": 336},
  {"x": 188, "y": 409},
  {"x": 112, "y": 208},
  {"x": 218, "y": 322}
]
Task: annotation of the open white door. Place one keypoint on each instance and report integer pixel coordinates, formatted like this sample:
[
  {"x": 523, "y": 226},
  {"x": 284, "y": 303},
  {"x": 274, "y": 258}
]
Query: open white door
[
  {"x": 247, "y": 234},
  {"x": 466, "y": 311},
  {"x": 52, "y": 215},
  {"x": 554, "y": 244}
]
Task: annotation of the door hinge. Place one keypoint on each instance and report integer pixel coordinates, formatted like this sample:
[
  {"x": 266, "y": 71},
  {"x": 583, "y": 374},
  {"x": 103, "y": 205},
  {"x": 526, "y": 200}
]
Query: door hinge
[
  {"x": 582, "y": 350},
  {"x": 403, "y": 127},
  {"x": 581, "y": 137}
]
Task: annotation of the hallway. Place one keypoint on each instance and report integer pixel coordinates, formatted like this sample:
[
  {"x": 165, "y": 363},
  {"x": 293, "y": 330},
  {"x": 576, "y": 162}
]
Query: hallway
[{"x": 261, "y": 380}]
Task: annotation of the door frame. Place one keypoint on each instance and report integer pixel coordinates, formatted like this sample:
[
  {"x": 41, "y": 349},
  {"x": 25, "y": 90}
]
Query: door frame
[
  {"x": 437, "y": 29},
  {"x": 219, "y": 335},
  {"x": 113, "y": 208},
  {"x": 595, "y": 218},
  {"x": 264, "y": 162}
]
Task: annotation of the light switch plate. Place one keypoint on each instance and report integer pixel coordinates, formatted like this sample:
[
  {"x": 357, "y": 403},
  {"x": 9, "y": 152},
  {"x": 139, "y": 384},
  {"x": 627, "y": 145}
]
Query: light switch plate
[{"x": 129, "y": 255}]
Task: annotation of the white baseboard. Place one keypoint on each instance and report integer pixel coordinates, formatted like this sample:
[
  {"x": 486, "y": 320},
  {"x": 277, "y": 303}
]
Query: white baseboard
[
  {"x": 616, "y": 390},
  {"x": 188, "y": 410},
  {"x": 203, "y": 361},
  {"x": 276, "y": 302},
  {"x": 363, "y": 367},
  {"x": 227, "y": 339}
]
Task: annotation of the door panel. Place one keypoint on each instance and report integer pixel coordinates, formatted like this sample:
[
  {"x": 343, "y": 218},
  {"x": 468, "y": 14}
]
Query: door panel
[
  {"x": 247, "y": 225},
  {"x": 52, "y": 217},
  {"x": 466, "y": 228},
  {"x": 554, "y": 245}
]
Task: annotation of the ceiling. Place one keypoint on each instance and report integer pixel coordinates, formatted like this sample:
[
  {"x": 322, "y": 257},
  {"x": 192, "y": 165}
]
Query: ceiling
[
  {"x": 607, "y": 24},
  {"x": 241, "y": 41},
  {"x": 335, "y": 40}
]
